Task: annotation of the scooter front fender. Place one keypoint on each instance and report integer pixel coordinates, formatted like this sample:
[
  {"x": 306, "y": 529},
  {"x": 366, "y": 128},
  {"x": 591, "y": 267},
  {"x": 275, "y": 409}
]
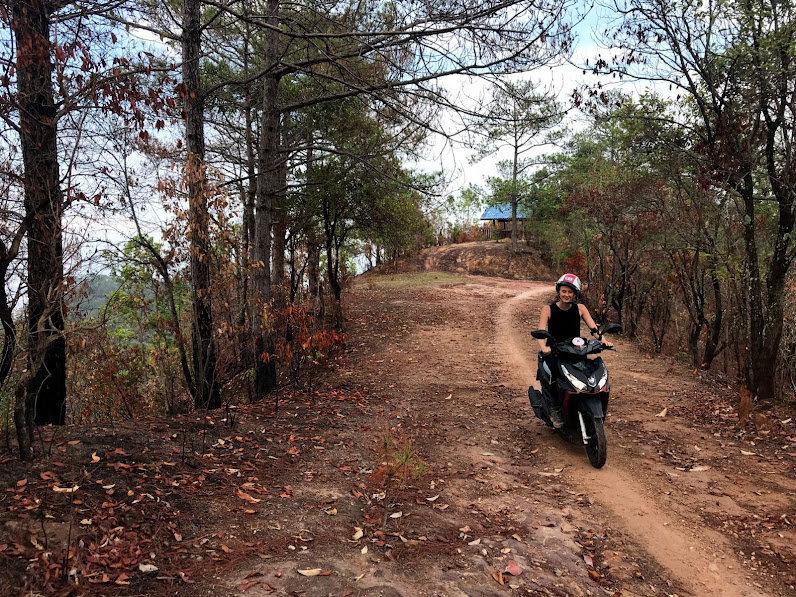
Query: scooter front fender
[{"x": 591, "y": 405}]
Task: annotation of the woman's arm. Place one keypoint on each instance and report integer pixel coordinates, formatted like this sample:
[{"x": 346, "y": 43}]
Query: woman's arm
[
  {"x": 544, "y": 319},
  {"x": 587, "y": 319}
]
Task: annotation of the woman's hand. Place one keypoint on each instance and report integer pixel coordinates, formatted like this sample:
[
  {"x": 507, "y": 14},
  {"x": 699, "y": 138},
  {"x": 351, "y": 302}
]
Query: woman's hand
[
  {"x": 546, "y": 349},
  {"x": 606, "y": 343}
]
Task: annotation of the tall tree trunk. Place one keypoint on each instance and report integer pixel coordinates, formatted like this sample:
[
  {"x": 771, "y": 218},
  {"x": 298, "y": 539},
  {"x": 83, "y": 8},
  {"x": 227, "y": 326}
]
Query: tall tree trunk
[
  {"x": 715, "y": 324},
  {"x": 765, "y": 309},
  {"x": 243, "y": 264},
  {"x": 278, "y": 257},
  {"x": 267, "y": 190},
  {"x": 247, "y": 232},
  {"x": 279, "y": 280},
  {"x": 23, "y": 422},
  {"x": 7, "y": 255},
  {"x": 756, "y": 367},
  {"x": 46, "y": 391},
  {"x": 207, "y": 393},
  {"x": 9, "y": 330},
  {"x": 514, "y": 198},
  {"x": 313, "y": 267},
  {"x": 333, "y": 275},
  {"x": 333, "y": 244},
  {"x": 694, "y": 332},
  {"x": 313, "y": 241}
]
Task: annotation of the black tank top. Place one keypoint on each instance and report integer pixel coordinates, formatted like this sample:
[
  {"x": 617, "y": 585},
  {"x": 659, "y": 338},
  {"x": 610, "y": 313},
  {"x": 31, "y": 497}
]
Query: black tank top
[{"x": 563, "y": 324}]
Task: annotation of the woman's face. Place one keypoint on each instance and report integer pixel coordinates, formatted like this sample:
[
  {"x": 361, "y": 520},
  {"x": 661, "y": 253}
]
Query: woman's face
[{"x": 566, "y": 294}]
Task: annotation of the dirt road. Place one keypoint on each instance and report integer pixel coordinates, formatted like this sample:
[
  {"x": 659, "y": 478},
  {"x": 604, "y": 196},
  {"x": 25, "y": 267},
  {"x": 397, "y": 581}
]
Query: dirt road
[
  {"x": 635, "y": 495},
  {"x": 687, "y": 504}
]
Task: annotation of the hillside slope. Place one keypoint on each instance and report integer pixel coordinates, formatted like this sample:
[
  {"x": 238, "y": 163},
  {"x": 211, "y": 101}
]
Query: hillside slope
[{"x": 481, "y": 258}]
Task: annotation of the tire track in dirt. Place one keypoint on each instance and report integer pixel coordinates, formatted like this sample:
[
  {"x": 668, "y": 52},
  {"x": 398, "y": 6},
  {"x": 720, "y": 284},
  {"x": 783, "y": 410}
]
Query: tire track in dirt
[{"x": 697, "y": 558}]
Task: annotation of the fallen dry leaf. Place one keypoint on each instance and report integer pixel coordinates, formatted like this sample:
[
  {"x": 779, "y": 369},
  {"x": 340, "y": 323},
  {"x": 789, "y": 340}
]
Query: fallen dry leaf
[
  {"x": 100, "y": 580},
  {"x": 147, "y": 568},
  {"x": 311, "y": 572},
  {"x": 662, "y": 413},
  {"x": 358, "y": 533},
  {"x": 243, "y": 587},
  {"x": 66, "y": 489},
  {"x": 245, "y": 496}
]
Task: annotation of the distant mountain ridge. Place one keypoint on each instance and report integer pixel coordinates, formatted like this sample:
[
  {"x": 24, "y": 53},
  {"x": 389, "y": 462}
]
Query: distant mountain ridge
[{"x": 99, "y": 289}]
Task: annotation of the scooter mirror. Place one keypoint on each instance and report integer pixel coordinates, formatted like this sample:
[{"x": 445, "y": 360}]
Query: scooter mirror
[
  {"x": 612, "y": 328},
  {"x": 542, "y": 335}
]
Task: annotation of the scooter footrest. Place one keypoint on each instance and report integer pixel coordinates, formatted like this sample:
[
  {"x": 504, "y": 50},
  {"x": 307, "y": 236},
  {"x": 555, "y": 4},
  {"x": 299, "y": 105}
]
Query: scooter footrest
[{"x": 537, "y": 404}]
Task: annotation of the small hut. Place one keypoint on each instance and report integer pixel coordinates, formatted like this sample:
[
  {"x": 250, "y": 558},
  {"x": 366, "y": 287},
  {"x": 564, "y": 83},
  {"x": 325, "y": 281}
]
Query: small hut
[{"x": 496, "y": 221}]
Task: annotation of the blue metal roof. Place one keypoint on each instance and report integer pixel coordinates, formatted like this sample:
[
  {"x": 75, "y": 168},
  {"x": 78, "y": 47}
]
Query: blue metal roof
[{"x": 502, "y": 211}]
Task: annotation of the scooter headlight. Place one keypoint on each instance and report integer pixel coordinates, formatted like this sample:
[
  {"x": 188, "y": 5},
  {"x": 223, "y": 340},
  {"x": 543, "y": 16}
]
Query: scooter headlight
[
  {"x": 603, "y": 380},
  {"x": 576, "y": 383}
]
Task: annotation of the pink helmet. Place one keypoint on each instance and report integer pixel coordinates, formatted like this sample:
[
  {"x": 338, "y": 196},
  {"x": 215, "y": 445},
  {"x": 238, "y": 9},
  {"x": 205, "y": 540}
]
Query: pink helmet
[{"x": 570, "y": 280}]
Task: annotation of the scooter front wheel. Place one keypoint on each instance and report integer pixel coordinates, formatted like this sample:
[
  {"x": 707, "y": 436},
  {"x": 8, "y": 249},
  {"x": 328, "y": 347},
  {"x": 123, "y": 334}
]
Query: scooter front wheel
[{"x": 596, "y": 446}]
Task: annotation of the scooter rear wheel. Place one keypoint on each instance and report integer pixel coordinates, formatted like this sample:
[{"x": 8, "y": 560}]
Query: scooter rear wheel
[{"x": 596, "y": 447}]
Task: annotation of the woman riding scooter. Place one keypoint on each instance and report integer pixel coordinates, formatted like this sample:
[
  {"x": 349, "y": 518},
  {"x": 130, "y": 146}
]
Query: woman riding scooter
[{"x": 562, "y": 319}]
